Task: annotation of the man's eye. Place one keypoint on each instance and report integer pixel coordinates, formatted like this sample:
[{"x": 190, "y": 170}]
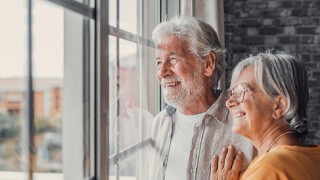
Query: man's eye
[
  {"x": 173, "y": 60},
  {"x": 158, "y": 63}
]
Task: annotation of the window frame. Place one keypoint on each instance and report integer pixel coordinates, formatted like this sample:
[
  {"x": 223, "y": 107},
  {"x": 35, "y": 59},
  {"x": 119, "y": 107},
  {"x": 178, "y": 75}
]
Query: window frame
[
  {"x": 99, "y": 14},
  {"x": 88, "y": 13},
  {"x": 165, "y": 10}
]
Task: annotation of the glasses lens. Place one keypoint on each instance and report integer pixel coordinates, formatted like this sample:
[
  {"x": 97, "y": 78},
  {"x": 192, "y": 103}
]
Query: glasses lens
[{"x": 238, "y": 93}]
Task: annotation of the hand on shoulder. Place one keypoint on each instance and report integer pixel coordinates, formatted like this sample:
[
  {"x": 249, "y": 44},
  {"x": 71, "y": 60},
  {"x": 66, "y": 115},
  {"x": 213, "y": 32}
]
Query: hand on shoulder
[{"x": 227, "y": 166}]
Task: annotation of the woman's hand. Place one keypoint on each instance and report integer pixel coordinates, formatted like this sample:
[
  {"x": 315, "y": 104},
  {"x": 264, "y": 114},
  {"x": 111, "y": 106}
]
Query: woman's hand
[{"x": 226, "y": 167}]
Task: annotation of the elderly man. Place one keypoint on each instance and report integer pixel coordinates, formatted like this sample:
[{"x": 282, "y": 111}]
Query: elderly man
[{"x": 196, "y": 124}]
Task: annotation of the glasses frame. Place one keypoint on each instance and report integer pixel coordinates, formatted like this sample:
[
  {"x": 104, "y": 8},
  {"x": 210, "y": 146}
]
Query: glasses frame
[{"x": 237, "y": 95}]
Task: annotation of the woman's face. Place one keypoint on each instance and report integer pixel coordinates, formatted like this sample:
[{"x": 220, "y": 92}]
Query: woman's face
[{"x": 252, "y": 109}]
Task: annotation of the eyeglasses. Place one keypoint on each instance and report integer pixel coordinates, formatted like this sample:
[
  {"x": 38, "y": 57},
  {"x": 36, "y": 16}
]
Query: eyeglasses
[{"x": 237, "y": 93}]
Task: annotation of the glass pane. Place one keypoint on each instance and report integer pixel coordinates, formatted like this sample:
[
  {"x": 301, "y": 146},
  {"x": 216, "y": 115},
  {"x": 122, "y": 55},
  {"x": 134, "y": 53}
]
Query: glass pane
[
  {"x": 131, "y": 168},
  {"x": 78, "y": 97},
  {"x": 64, "y": 92},
  {"x": 128, "y": 15},
  {"x": 113, "y": 13},
  {"x": 128, "y": 94},
  {"x": 133, "y": 90},
  {"x": 112, "y": 95},
  {"x": 130, "y": 119},
  {"x": 48, "y": 87},
  {"x": 13, "y": 85}
]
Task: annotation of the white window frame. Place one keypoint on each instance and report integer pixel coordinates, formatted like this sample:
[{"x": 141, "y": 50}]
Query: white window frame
[{"x": 99, "y": 109}]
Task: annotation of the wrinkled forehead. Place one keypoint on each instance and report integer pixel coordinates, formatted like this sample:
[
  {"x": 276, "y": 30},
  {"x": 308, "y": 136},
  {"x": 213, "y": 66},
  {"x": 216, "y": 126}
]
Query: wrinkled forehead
[
  {"x": 172, "y": 44},
  {"x": 245, "y": 76}
]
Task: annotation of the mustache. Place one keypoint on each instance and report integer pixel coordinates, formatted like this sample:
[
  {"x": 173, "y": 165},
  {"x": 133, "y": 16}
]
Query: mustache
[{"x": 169, "y": 80}]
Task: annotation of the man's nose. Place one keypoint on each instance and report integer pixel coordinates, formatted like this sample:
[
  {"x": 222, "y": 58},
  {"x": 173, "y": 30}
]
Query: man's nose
[{"x": 164, "y": 69}]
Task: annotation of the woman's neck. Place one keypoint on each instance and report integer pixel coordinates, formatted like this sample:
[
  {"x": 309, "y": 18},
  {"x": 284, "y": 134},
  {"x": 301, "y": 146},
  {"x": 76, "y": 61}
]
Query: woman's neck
[
  {"x": 279, "y": 138},
  {"x": 278, "y": 134}
]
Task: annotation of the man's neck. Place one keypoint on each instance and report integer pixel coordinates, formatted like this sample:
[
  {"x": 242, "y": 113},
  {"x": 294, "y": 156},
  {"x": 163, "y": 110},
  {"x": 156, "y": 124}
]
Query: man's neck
[{"x": 200, "y": 105}]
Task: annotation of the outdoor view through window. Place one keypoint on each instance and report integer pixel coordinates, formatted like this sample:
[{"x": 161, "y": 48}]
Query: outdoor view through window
[
  {"x": 47, "y": 80},
  {"x": 69, "y": 96}
]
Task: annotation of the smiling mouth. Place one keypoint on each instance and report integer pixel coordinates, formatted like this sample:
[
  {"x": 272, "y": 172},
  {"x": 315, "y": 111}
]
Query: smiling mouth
[
  {"x": 171, "y": 84},
  {"x": 237, "y": 115}
]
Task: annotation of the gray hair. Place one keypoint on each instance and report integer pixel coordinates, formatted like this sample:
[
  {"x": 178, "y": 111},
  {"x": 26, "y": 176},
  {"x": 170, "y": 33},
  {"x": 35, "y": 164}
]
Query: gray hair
[
  {"x": 201, "y": 38},
  {"x": 282, "y": 74}
]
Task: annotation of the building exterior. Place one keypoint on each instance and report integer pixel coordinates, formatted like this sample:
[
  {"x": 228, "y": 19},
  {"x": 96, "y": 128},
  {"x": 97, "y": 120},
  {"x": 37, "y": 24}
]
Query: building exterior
[{"x": 47, "y": 97}]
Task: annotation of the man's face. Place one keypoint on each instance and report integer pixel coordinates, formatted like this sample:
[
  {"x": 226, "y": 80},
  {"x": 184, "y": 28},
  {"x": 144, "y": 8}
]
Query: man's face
[{"x": 180, "y": 72}]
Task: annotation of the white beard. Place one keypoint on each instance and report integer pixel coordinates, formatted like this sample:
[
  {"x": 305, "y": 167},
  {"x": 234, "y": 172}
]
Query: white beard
[{"x": 187, "y": 93}]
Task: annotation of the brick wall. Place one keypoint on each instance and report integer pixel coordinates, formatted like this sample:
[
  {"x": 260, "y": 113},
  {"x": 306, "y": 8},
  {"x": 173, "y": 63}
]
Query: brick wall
[{"x": 291, "y": 26}]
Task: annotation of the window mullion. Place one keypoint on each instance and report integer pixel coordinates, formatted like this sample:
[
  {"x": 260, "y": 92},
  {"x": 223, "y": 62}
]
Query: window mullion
[
  {"x": 102, "y": 88},
  {"x": 117, "y": 157},
  {"x": 77, "y": 7},
  {"x": 130, "y": 36},
  {"x": 28, "y": 127},
  {"x": 117, "y": 143}
]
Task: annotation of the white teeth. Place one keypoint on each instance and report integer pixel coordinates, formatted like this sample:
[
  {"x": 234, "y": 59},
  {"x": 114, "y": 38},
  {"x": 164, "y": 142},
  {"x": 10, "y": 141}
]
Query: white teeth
[
  {"x": 172, "y": 84},
  {"x": 239, "y": 115}
]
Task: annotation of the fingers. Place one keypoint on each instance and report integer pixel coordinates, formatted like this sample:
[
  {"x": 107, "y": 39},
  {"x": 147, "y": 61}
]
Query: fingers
[
  {"x": 214, "y": 164},
  {"x": 214, "y": 168},
  {"x": 237, "y": 162},
  {"x": 229, "y": 157},
  {"x": 222, "y": 157},
  {"x": 226, "y": 166}
]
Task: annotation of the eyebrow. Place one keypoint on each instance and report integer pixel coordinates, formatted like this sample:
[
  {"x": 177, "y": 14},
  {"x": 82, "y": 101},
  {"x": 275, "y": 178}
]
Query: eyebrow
[
  {"x": 170, "y": 54},
  {"x": 247, "y": 85}
]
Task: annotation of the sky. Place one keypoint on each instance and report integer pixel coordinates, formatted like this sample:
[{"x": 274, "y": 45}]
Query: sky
[{"x": 47, "y": 39}]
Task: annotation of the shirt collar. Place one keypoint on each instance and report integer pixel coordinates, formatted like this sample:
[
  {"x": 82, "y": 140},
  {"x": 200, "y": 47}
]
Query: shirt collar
[{"x": 218, "y": 109}]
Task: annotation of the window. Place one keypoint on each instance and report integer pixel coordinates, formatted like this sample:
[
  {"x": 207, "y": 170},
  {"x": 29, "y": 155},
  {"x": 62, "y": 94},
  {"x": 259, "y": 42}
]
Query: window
[
  {"x": 133, "y": 92},
  {"x": 47, "y": 89},
  {"x": 77, "y": 88}
]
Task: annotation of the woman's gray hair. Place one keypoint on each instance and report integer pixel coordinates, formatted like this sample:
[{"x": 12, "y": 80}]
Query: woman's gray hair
[
  {"x": 201, "y": 37},
  {"x": 278, "y": 73}
]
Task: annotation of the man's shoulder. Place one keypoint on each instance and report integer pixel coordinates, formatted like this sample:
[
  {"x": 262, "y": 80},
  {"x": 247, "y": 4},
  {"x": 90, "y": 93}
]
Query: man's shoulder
[
  {"x": 167, "y": 111},
  {"x": 162, "y": 114},
  {"x": 161, "y": 119}
]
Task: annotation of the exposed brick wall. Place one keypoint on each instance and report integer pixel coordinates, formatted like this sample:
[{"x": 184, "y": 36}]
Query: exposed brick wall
[{"x": 291, "y": 26}]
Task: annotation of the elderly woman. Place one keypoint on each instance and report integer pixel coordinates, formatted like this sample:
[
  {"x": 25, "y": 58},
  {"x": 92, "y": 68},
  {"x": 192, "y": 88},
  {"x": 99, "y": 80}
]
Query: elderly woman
[{"x": 268, "y": 99}]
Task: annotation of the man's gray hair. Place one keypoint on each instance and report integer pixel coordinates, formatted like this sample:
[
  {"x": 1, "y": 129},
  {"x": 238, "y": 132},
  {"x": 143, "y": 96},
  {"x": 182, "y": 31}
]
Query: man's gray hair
[
  {"x": 278, "y": 73},
  {"x": 201, "y": 38}
]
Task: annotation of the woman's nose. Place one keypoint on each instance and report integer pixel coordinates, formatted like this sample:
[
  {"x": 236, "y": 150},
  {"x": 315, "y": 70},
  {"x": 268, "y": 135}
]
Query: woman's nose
[{"x": 231, "y": 102}]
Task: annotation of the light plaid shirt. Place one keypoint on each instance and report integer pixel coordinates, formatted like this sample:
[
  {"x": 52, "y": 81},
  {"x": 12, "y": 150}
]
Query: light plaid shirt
[{"x": 210, "y": 135}]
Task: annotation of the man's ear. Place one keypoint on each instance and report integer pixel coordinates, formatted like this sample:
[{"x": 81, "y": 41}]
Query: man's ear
[
  {"x": 280, "y": 107},
  {"x": 211, "y": 60}
]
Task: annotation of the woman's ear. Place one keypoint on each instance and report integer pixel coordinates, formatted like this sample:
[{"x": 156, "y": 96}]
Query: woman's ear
[
  {"x": 280, "y": 107},
  {"x": 211, "y": 60}
]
